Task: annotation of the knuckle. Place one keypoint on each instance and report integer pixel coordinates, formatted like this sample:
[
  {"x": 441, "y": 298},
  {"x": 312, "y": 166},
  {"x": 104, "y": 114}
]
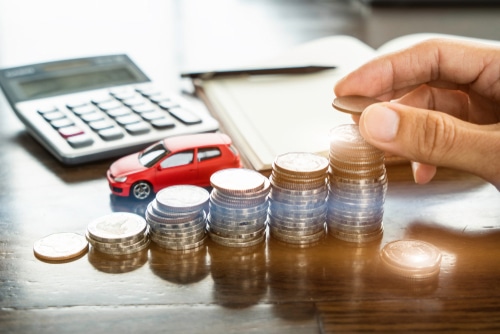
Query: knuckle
[{"x": 438, "y": 138}]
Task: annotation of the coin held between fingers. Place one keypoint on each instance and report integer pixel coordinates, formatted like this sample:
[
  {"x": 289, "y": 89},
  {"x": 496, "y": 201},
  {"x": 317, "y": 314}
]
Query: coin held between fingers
[{"x": 353, "y": 104}]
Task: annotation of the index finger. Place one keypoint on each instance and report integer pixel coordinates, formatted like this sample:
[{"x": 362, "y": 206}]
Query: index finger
[{"x": 442, "y": 62}]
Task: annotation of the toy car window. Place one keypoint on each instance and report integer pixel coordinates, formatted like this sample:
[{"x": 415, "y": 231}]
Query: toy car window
[
  {"x": 152, "y": 154},
  {"x": 208, "y": 153},
  {"x": 178, "y": 159}
]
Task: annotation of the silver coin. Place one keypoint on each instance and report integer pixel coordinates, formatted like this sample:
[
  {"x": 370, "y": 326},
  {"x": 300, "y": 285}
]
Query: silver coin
[
  {"x": 117, "y": 245},
  {"x": 231, "y": 243},
  {"x": 116, "y": 227},
  {"x": 237, "y": 180},
  {"x": 177, "y": 234},
  {"x": 310, "y": 239},
  {"x": 237, "y": 236},
  {"x": 159, "y": 217},
  {"x": 357, "y": 237},
  {"x": 156, "y": 209},
  {"x": 182, "y": 247},
  {"x": 182, "y": 198},
  {"x": 237, "y": 224},
  {"x": 186, "y": 240},
  {"x": 60, "y": 246},
  {"x": 139, "y": 246}
]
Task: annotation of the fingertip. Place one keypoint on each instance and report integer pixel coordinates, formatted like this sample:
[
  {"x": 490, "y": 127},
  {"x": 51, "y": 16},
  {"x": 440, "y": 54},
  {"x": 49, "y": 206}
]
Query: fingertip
[
  {"x": 423, "y": 173},
  {"x": 379, "y": 123}
]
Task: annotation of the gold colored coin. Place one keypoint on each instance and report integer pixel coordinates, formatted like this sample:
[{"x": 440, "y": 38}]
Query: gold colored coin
[{"x": 353, "y": 104}]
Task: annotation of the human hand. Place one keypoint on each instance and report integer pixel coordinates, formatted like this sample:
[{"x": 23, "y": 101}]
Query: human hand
[{"x": 444, "y": 107}]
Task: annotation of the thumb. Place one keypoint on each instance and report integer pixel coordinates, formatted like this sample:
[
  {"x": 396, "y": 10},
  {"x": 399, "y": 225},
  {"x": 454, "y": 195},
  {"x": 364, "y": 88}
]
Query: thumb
[{"x": 434, "y": 138}]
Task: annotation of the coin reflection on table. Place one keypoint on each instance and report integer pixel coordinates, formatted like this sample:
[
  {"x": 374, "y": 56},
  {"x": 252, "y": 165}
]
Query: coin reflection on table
[{"x": 117, "y": 264}]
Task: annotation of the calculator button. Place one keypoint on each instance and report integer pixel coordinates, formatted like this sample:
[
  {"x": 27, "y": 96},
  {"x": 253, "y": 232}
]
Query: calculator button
[
  {"x": 185, "y": 116},
  {"x": 47, "y": 109},
  {"x": 61, "y": 123},
  {"x": 85, "y": 109},
  {"x": 163, "y": 123},
  {"x": 134, "y": 101},
  {"x": 111, "y": 133},
  {"x": 70, "y": 131},
  {"x": 119, "y": 112},
  {"x": 149, "y": 116},
  {"x": 76, "y": 104},
  {"x": 92, "y": 117},
  {"x": 101, "y": 99},
  {"x": 168, "y": 104},
  {"x": 159, "y": 98},
  {"x": 138, "y": 128},
  {"x": 123, "y": 93},
  {"x": 80, "y": 141},
  {"x": 128, "y": 119},
  {"x": 148, "y": 91},
  {"x": 105, "y": 106},
  {"x": 51, "y": 116},
  {"x": 101, "y": 125},
  {"x": 144, "y": 108}
]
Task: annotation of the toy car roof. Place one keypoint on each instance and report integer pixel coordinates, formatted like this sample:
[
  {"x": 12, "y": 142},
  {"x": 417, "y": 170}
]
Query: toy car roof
[{"x": 178, "y": 143}]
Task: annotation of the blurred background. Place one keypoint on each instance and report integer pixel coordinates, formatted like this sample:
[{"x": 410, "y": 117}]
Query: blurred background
[{"x": 165, "y": 37}]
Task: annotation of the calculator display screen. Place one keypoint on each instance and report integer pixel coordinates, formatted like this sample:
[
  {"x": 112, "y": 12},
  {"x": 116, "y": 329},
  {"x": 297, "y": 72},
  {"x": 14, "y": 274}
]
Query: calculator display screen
[{"x": 67, "y": 83}]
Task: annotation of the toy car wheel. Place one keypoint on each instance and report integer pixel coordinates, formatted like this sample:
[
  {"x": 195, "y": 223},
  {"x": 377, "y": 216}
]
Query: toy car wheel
[{"x": 141, "y": 190}]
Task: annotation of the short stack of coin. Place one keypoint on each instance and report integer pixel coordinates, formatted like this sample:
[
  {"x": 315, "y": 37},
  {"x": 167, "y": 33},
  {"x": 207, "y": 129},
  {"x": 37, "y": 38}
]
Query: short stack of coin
[
  {"x": 177, "y": 217},
  {"x": 238, "y": 207},
  {"x": 119, "y": 233},
  {"x": 357, "y": 187},
  {"x": 297, "y": 200}
]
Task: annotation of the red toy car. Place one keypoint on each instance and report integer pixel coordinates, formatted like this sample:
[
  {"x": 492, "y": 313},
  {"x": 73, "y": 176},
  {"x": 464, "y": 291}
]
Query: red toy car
[{"x": 189, "y": 159}]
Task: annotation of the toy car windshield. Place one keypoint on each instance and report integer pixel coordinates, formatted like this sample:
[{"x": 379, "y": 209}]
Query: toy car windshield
[{"x": 152, "y": 154}]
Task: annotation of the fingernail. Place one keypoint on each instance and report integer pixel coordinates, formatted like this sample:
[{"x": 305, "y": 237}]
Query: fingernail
[{"x": 380, "y": 123}]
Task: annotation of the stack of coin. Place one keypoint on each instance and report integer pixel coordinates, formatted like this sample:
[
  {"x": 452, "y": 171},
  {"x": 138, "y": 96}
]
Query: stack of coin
[
  {"x": 177, "y": 217},
  {"x": 357, "y": 187},
  {"x": 238, "y": 207},
  {"x": 119, "y": 233},
  {"x": 297, "y": 200}
]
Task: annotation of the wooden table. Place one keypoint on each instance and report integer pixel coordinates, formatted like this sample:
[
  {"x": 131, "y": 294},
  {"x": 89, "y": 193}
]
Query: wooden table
[{"x": 332, "y": 287}]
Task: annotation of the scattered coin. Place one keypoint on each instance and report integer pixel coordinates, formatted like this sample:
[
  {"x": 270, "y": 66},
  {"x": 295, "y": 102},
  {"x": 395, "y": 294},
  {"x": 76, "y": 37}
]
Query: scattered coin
[
  {"x": 353, "y": 104},
  {"x": 60, "y": 246},
  {"x": 412, "y": 259},
  {"x": 357, "y": 186}
]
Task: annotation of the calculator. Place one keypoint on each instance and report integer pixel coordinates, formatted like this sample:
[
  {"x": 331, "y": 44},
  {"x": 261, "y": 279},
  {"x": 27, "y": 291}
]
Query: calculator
[{"x": 96, "y": 108}]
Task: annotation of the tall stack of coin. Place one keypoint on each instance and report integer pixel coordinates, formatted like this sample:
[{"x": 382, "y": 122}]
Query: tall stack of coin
[
  {"x": 238, "y": 207},
  {"x": 297, "y": 200},
  {"x": 357, "y": 187},
  {"x": 119, "y": 233},
  {"x": 177, "y": 217}
]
